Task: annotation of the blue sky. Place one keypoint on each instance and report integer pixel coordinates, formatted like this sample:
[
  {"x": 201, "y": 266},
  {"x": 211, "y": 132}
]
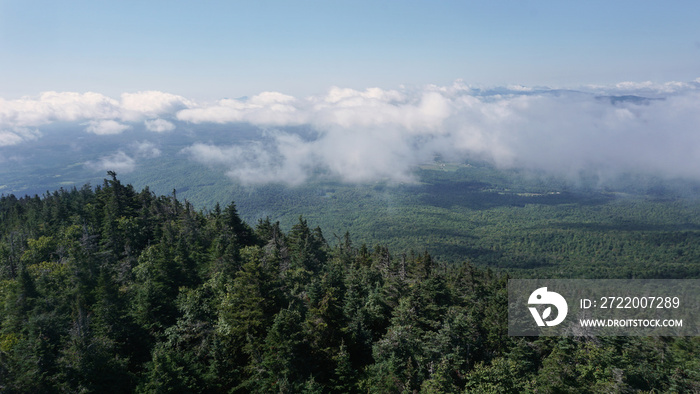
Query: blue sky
[{"x": 217, "y": 49}]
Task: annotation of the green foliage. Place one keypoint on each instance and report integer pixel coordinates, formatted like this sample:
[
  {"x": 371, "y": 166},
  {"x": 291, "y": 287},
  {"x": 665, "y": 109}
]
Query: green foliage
[
  {"x": 522, "y": 223},
  {"x": 110, "y": 290}
]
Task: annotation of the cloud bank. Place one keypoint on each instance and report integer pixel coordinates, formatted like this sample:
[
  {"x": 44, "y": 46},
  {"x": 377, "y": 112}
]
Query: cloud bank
[
  {"x": 102, "y": 115},
  {"x": 377, "y": 134}
]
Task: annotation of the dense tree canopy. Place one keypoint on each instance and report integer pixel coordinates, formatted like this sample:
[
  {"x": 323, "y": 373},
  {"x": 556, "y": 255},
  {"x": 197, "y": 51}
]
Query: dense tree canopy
[{"x": 114, "y": 290}]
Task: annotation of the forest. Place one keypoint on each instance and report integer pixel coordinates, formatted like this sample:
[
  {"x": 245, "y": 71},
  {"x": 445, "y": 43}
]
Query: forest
[{"x": 110, "y": 289}]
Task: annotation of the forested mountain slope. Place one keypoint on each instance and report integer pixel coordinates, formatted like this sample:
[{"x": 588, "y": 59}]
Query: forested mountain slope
[
  {"x": 527, "y": 223},
  {"x": 114, "y": 290}
]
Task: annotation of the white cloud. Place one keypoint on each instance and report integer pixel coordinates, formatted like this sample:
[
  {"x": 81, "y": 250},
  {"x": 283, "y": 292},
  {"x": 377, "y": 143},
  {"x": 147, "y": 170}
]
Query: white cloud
[
  {"x": 18, "y": 135},
  {"x": 288, "y": 160},
  {"x": 159, "y": 125},
  {"x": 146, "y": 149},
  {"x": 56, "y": 106},
  {"x": 371, "y": 134},
  {"x": 105, "y": 127},
  {"x": 356, "y": 97},
  {"x": 267, "y": 108},
  {"x": 122, "y": 162},
  {"x": 646, "y": 88},
  {"x": 377, "y": 134},
  {"x": 519, "y": 88},
  {"x": 150, "y": 104},
  {"x": 96, "y": 109},
  {"x": 8, "y": 138},
  {"x": 118, "y": 162}
]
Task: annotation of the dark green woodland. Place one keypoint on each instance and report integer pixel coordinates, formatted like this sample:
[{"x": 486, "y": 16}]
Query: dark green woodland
[{"x": 110, "y": 289}]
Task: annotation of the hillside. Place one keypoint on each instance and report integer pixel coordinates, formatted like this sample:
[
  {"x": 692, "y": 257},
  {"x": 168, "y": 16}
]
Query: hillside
[{"x": 525, "y": 223}]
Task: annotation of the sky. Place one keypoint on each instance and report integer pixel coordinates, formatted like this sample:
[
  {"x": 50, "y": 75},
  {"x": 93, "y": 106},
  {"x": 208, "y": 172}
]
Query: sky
[
  {"x": 218, "y": 49},
  {"x": 378, "y": 87}
]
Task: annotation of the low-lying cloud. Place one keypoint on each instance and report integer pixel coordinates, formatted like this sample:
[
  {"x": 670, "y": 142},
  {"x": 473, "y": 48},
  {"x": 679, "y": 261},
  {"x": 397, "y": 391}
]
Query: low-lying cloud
[
  {"x": 18, "y": 135},
  {"x": 146, "y": 149},
  {"x": 105, "y": 127},
  {"x": 119, "y": 162},
  {"x": 123, "y": 161},
  {"x": 377, "y": 134},
  {"x": 159, "y": 125},
  {"x": 382, "y": 135},
  {"x": 102, "y": 114}
]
